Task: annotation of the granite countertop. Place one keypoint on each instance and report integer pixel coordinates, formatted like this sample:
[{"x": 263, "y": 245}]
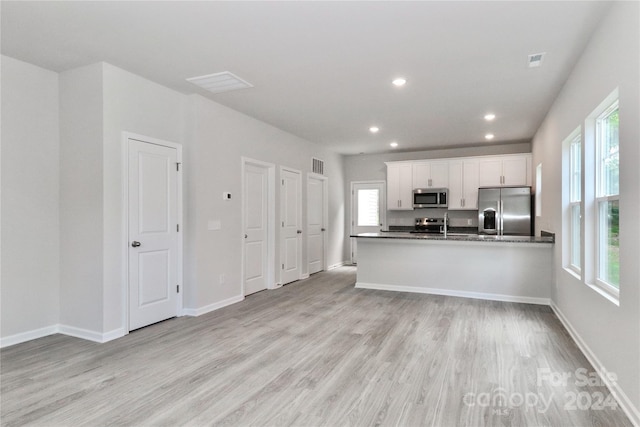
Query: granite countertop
[{"x": 455, "y": 237}]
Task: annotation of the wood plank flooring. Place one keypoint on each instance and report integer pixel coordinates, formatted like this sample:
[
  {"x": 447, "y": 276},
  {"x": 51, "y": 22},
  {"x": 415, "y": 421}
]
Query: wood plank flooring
[{"x": 315, "y": 353}]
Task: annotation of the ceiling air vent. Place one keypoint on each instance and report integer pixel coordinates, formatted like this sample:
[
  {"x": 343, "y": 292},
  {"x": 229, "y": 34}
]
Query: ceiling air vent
[
  {"x": 317, "y": 166},
  {"x": 220, "y": 82},
  {"x": 535, "y": 60}
]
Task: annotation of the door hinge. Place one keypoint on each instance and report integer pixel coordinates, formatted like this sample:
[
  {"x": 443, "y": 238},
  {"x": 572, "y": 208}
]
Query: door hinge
[
  {"x": 178, "y": 228},
  {"x": 178, "y": 167},
  {"x": 283, "y": 266},
  {"x": 178, "y": 289},
  {"x": 283, "y": 182},
  {"x": 283, "y": 223}
]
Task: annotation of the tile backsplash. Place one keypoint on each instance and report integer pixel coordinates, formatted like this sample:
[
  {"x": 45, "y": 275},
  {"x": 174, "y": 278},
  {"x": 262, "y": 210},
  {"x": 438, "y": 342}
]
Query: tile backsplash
[{"x": 456, "y": 218}]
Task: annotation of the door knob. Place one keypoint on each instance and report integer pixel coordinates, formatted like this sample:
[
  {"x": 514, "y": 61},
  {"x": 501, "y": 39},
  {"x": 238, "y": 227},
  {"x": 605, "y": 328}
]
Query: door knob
[
  {"x": 323, "y": 229},
  {"x": 135, "y": 244},
  {"x": 299, "y": 231},
  {"x": 245, "y": 236}
]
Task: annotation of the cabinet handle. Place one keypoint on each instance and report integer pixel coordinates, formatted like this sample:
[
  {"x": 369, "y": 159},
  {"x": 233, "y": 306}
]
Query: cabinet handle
[
  {"x": 399, "y": 203},
  {"x": 430, "y": 182}
]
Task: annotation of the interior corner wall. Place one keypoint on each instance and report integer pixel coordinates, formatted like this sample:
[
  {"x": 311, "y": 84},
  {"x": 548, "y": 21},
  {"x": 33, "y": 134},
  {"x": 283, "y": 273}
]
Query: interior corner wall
[
  {"x": 610, "y": 333},
  {"x": 30, "y": 198},
  {"x": 81, "y": 201},
  {"x": 220, "y": 137}
]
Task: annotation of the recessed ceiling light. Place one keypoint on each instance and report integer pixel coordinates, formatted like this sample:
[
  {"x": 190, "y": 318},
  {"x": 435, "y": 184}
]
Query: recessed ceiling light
[
  {"x": 393, "y": 144},
  {"x": 489, "y": 136},
  {"x": 400, "y": 81},
  {"x": 374, "y": 129},
  {"x": 489, "y": 117}
]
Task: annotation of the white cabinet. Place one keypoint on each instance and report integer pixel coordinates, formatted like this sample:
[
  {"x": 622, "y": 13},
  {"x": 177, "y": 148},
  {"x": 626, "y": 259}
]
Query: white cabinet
[
  {"x": 399, "y": 186},
  {"x": 463, "y": 184},
  {"x": 505, "y": 170},
  {"x": 431, "y": 174}
]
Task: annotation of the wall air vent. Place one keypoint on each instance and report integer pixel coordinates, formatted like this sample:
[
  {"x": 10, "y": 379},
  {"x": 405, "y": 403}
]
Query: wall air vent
[
  {"x": 220, "y": 82},
  {"x": 317, "y": 166},
  {"x": 535, "y": 60}
]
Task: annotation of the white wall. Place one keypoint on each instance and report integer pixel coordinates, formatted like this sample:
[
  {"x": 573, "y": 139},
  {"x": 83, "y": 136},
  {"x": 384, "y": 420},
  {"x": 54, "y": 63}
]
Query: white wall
[
  {"x": 30, "y": 194},
  {"x": 63, "y": 185},
  {"x": 81, "y": 204},
  {"x": 610, "y": 334},
  {"x": 219, "y": 138}
]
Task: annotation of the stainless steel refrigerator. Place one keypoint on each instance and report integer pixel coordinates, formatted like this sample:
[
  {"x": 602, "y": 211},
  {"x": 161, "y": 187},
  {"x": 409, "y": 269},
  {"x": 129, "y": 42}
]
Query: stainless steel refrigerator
[{"x": 504, "y": 211}]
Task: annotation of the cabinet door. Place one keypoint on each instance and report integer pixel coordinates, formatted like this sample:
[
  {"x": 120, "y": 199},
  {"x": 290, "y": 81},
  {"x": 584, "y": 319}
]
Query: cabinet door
[
  {"x": 455, "y": 185},
  {"x": 399, "y": 187},
  {"x": 471, "y": 177},
  {"x": 515, "y": 171},
  {"x": 439, "y": 174},
  {"x": 490, "y": 172},
  {"x": 393, "y": 187},
  {"x": 421, "y": 174},
  {"x": 405, "y": 190}
]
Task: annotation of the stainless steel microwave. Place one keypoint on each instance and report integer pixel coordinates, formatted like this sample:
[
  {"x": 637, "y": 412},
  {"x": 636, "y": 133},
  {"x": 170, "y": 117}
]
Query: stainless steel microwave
[{"x": 430, "y": 197}]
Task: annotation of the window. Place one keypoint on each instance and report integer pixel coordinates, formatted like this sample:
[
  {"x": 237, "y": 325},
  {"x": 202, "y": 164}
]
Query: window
[
  {"x": 591, "y": 200},
  {"x": 575, "y": 200},
  {"x": 607, "y": 200},
  {"x": 368, "y": 207}
]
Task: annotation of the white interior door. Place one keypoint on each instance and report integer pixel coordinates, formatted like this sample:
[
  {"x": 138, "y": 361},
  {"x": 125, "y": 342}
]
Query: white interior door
[
  {"x": 256, "y": 219},
  {"x": 153, "y": 234},
  {"x": 291, "y": 220},
  {"x": 316, "y": 222},
  {"x": 367, "y": 210}
]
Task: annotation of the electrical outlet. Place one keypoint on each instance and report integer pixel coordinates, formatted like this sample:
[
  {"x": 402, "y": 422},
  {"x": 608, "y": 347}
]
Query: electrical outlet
[{"x": 223, "y": 278}]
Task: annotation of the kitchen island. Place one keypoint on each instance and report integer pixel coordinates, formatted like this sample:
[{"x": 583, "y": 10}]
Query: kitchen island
[{"x": 502, "y": 268}]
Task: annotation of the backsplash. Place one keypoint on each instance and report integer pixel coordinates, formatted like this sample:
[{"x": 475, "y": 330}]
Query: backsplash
[{"x": 456, "y": 218}]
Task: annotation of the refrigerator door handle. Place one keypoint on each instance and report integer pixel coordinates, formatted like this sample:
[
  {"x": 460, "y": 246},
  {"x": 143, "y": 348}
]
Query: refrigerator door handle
[{"x": 501, "y": 216}]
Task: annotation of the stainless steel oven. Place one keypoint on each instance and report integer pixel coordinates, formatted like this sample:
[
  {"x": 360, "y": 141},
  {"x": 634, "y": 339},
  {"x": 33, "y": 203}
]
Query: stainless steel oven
[{"x": 430, "y": 197}]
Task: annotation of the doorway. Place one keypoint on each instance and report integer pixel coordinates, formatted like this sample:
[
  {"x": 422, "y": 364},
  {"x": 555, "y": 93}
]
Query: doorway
[
  {"x": 258, "y": 214},
  {"x": 154, "y": 245},
  {"x": 368, "y": 210},
  {"x": 291, "y": 221},
  {"x": 317, "y": 214}
]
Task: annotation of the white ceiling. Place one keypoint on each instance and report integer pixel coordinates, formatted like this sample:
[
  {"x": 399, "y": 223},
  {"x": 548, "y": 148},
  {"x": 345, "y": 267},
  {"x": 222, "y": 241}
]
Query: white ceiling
[{"x": 323, "y": 70}]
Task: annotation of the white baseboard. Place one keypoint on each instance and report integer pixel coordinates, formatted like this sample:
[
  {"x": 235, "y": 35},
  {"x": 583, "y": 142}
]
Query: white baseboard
[
  {"x": 452, "y": 293},
  {"x": 304, "y": 276},
  {"x": 621, "y": 397},
  {"x": 28, "y": 336},
  {"x": 71, "y": 331},
  {"x": 212, "y": 307},
  {"x": 338, "y": 265}
]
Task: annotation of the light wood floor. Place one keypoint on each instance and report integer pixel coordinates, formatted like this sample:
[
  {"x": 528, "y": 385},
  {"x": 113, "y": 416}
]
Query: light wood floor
[{"x": 315, "y": 353}]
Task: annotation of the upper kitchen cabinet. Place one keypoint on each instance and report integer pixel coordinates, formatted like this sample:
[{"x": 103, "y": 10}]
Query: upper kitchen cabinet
[
  {"x": 431, "y": 174},
  {"x": 506, "y": 170},
  {"x": 463, "y": 184},
  {"x": 399, "y": 186}
]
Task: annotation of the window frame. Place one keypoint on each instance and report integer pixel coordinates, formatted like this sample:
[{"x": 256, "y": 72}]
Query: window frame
[
  {"x": 575, "y": 199},
  {"x": 602, "y": 197}
]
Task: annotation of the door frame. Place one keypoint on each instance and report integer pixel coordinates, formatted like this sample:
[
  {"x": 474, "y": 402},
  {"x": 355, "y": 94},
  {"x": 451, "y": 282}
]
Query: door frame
[
  {"x": 126, "y": 136},
  {"x": 325, "y": 216},
  {"x": 299, "y": 213},
  {"x": 383, "y": 209},
  {"x": 271, "y": 216}
]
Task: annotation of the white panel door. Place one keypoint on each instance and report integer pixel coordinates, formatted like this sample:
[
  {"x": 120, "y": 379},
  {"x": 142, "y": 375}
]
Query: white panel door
[
  {"x": 256, "y": 219},
  {"x": 316, "y": 223},
  {"x": 291, "y": 221},
  {"x": 153, "y": 234}
]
